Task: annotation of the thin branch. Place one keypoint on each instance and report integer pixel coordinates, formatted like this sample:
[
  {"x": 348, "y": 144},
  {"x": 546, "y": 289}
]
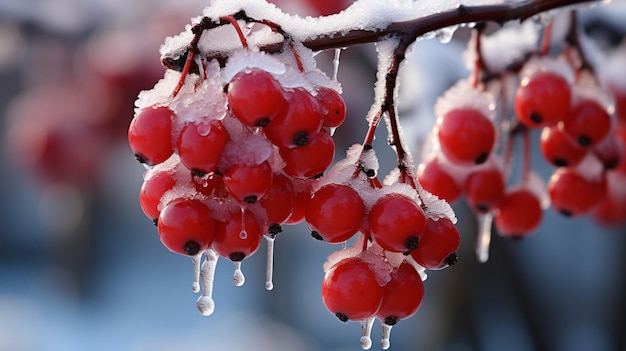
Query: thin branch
[{"x": 462, "y": 14}]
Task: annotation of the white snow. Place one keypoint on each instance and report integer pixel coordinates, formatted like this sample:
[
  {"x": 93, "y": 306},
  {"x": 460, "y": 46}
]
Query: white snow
[{"x": 464, "y": 95}]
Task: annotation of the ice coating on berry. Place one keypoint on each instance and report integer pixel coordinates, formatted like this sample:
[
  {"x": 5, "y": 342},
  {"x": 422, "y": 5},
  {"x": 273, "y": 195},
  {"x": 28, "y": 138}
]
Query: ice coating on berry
[
  {"x": 539, "y": 64},
  {"x": 464, "y": 96}
]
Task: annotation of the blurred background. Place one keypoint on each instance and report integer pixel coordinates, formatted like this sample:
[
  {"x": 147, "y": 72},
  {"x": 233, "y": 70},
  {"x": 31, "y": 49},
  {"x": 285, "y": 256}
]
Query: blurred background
[{"x": 81, "y": 267}]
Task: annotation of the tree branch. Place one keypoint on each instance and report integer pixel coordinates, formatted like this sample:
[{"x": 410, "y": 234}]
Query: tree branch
[{"x": 415, "y": 28}]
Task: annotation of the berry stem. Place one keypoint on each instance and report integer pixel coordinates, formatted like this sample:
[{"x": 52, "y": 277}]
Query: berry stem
[
  {"x": 479, "y": 63},
  {"x": 232, "y": 20},
  {"x": 547, "y": 37},
  {"x": 581, "y": 61}
]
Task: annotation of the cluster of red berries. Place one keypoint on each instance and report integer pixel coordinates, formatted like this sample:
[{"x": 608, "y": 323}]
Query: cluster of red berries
[
  {"x": 464, "y": 162},
  {"x": 402, "y": 231},
  {"x": 231, "y": 160},
  {"x": 579, "y": 135},
  {"x": 241, "y": 149}
]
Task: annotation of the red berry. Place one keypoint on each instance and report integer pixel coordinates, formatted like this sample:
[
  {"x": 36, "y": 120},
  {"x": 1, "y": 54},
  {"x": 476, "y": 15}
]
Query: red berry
[
  {"x": 301, "y": 199},
  {"x": 588, "y": 123},
  {"x": 543, "y": 99},
  {"x": 186, "y": 227},
  {"x": 572, "y": 194},
  {"x": 200, "y": 146},
  {"x": 310, "y": 160},
  {"x": 279, "y": 199},
  {"x": 396, "y": 222},
  {"x": 484, "y": 189},
  {"x": 211, "y": 185},
  {"x": 518, "y": 214},
  {"x": 300, "y": 124},
  {"x": 150, "y": 135},
  {"x": 609, "y": 152},
  {"x": 152, "y": 190},
  {"x": 332, "y": 105},
  {"x": 248, "y": 183},
  {"x": 350, "y": 290},
  {"x": 239, "y": 236},
  {"x": 335, "y": 212},
  {"x": 256, "y": 98},
  {"x": 403, "y": 295},
  {"x": 438, "y": 244},
  {"x": 466, "y": 136},
  {"x": 559, "y": 148},
  {"x": 437, "y": 181}
]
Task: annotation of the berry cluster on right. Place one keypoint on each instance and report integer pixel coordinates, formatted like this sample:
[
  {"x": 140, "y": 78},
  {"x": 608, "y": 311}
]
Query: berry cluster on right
[{"x": 580, "y": 121}]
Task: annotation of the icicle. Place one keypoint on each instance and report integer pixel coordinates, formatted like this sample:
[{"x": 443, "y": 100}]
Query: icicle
[
  {"x": 269, "y": 263},
  {"x": 484, "y": 236},
  {"x": 366, "y": 331},
  {"x": 195, "y": 260},
  {"x": 385, "y": 342},
  {"x": 344, "y": 245},
  {"x": 336, "y": 67},
  {"x": 207, "y": 273},
  {"x": 331, "y": 130},
  {"x": 238, "y": 277},
  {"x": 243, "y": 234}
]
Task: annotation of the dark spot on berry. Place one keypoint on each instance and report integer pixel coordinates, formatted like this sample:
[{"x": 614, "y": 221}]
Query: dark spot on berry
[
  {"x": 155, "y": 221},
  {"x": 217, "y": 172},
  {"x": 300, "y": 138},
  {"x": 584, "y": 140},
  {"x": 262, "y": 122},
  {"x": 535, "y": 117},
  {"x": 141, "y": 158},
  {"x": 411, "y": 243},
  {"x": 191, "y": 247},
  {"x": 236, "y": 256},
  {"x": 482, "y": 208},
  {"x": 316, "y": 235},
  {"x": 391, "y": 320},
  {"x": 482, "y": 158},
  {"x": 367, "y": 147},
  {"x": 250, "y": 199},
  {"x": 274, "y": 229},
  {"x": 342, "y": 317},
  {"x": 566, "y": 213},
  {"x": 370, "y": 173},
  {"x": 318, "y": 176},
  {"x": 559, "y": 162},
  {"x": 452, "y": 259},
  {"x": 611, "y": 164},
  {"x": 197, "y": 173}
]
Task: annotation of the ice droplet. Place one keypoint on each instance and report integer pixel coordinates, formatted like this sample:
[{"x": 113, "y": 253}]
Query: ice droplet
[
  {"x": 366, "y": 331},
  {"x": 444, "y": 35},
  {"x": 207, "y": 273},
  {"x": 269, "y": 263},
  {"x": 206, "y": 306},
  {"x": 238, "y": 278},
  {"x": 195, "y": 260},
  {"x": 385, "y": 342},
  {"x": 484, "y": 236}
]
